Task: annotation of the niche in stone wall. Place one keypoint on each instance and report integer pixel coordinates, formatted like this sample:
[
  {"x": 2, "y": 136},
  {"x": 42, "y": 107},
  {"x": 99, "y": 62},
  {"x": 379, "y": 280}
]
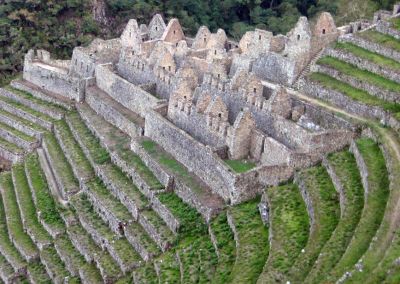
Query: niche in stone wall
[{"x": 267, "y": 92}]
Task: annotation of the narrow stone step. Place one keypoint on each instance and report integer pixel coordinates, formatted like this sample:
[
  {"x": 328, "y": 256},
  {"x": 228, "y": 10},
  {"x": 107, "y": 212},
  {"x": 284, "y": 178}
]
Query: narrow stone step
[
  {"x": 53, "y": 264},
  {"x": 156, "y": 229},
  {"x": 44, "y": 95},
  {"x": 61, "y": 169},
  {"x": 18, "y": 138},
  {"x": 23, "y": 98},
  {"x": 46, "y": 208},
  {"x": 118, "y": 247},
  {"x": 11, "y": 152},
  {"x": 26, "y": 113},
  {"x": 27, "y": 209},
  {"x": 20, "y": 239},
  {"x": 21, "y": 124}
]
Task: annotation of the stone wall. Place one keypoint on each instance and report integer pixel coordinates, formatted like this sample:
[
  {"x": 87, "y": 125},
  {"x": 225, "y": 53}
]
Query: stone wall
[
  {"x": 364, "y": 64},
  {"x": 337, "y": 184},
  {"x": 11, "y": 156},
  {"x": 387, "y": 28},
  {"x": 21, "y": 127},
  {"x": 362, "y": 167},
  {"x": 304, "y": 191},
  {"x": 372, "y": 46},
  {"x": 16, "y": 140},
  {"x": 127, "y": 94},
  {"x": 372, "y": 89}
]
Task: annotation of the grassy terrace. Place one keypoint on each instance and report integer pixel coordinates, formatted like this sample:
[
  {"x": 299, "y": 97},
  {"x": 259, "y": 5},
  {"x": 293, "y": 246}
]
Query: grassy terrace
[
  {"x": 14, "y": 223},
  {"x": 112, "y": 204},
  {"x": 290, "y": 230},
  {"x": 5, "y": 267},
  {"x": 159, "y": 225},
  {"x": 355, "y": 94},
  {"x": 172, "y": 165},
  {"x": 135, "y": 229},
  {"x": 35, "y": 100},
  {"x": 60, "y": 163},
  {"x": 252, "y": 237},
  {"x": 121, "y": 246},
  {"x": 38, "y": 273},
  {"x": 169, "y": 268},
  {"x": 56, "y": 266},
  {"x": 17, "y": 133},
  {"x": 26, "y": 109},
  {"x": 119, "y": 142},
  {"x": 374, "y": 208},
  {"x": 97, "y": 152},
  {"x": 72, "y": 147},
  {"x": 368, "y": 55},
  {"x": 23, "y": 121},
  {"x": 396, "y": 23},
  {"x": 383, "y": 39},
  {"x": 45, "y": 203},
  {"x": 78, "y": 262},
  {"x": 325, "y": 203},
  {"x": 226, "y": 247},
  {"x": 196, "y": 251},
  {"x": 345, "y": 166},
  {"x": 146, "y": 274},
  {"x": 359, "y": 74},
  {"x": 6, "y": 247},
  {"x": 27, "y": 207},
  {"x": 240, "y": 166},
  {"x": 102, "y": 258},
  {"x": 10, "y": 146}
]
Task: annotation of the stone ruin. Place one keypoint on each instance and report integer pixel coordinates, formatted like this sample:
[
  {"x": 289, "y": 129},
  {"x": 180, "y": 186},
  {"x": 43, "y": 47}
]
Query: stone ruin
[{"x": 206, "y": 99}]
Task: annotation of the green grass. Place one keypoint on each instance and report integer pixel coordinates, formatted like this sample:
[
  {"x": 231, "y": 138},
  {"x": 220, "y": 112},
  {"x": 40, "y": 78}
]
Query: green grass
[
  {"x": 76, "y": 153},
  {"x": 325, "y": 203},
  {"x": 45, "y": 203},
  {"x": 368, "y": 55},
  {"x": 146, "y": 274},
  {"x": 10, "y": 146},
  {"x": 290, "y": 230},
  {"x": 226, "y": 247},
  {"x": 383, "y": 39},
  {"x": 353, "y": 93},
  {"x": 252, "y": 252},
  {"x": 240, "y": 166},
  {"x": 374, "y": 208},
  {"x": 362, "y": 75},
  {"x": 6, "y": 246},
  {"x": 56, "y": 266},
  {"x": 60, "y": 164},
  {"x": 17, "y": 133},
  {"x": 396, "y": 23},
  {"x": 23, "y": 121},
  {"x": 169, "y": 268},
  {"x": 171, "y": 164},
  {"x": 27, "y": 208},
  {"x": 38, "y": 273},
  {"x": 34, "y": 99},
  {"x": 344, "y": 164},
  {"x": 97, "y": 152}
]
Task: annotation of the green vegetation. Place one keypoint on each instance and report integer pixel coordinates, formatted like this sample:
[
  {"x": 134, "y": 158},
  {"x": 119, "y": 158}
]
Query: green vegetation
[
  {"x": 60, "y": 164},
  {"x": 396, "y": 23},
  {"x": 171, "y": 164},
  {"x": 17, "y": 133},
  {"x": 290, "y": 229},
  {"x": 362, "y": 75},
  {"x": 345, "y": 167},
  {"x": 14, "y": 222},
  {"x": 38, "y": 273},
  {"x": 10, "y": 146},
  {"x": 383, "y": 39},
  {"x": 97, "y": 152},
  {"x": 240, "y": 166},
  {"x": 44, "y": 201},
  {"x": 252, "y": 237},
  {"x": 55, "y": 265},
  {"x": 226, "y": 247},
  {"x": 368, "y": 55},
  {"x": 146, "y": 274},
  {"x": 23, "y": 121},
  {"x": 325, "y": 204},
  {"x": 27, "y": 207},
  {"x": 169, "y": 268},
  {"x": 75, "y": 152},
  {"x": 353, "y": 93},
  {"x": 374, "y": 208}
]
